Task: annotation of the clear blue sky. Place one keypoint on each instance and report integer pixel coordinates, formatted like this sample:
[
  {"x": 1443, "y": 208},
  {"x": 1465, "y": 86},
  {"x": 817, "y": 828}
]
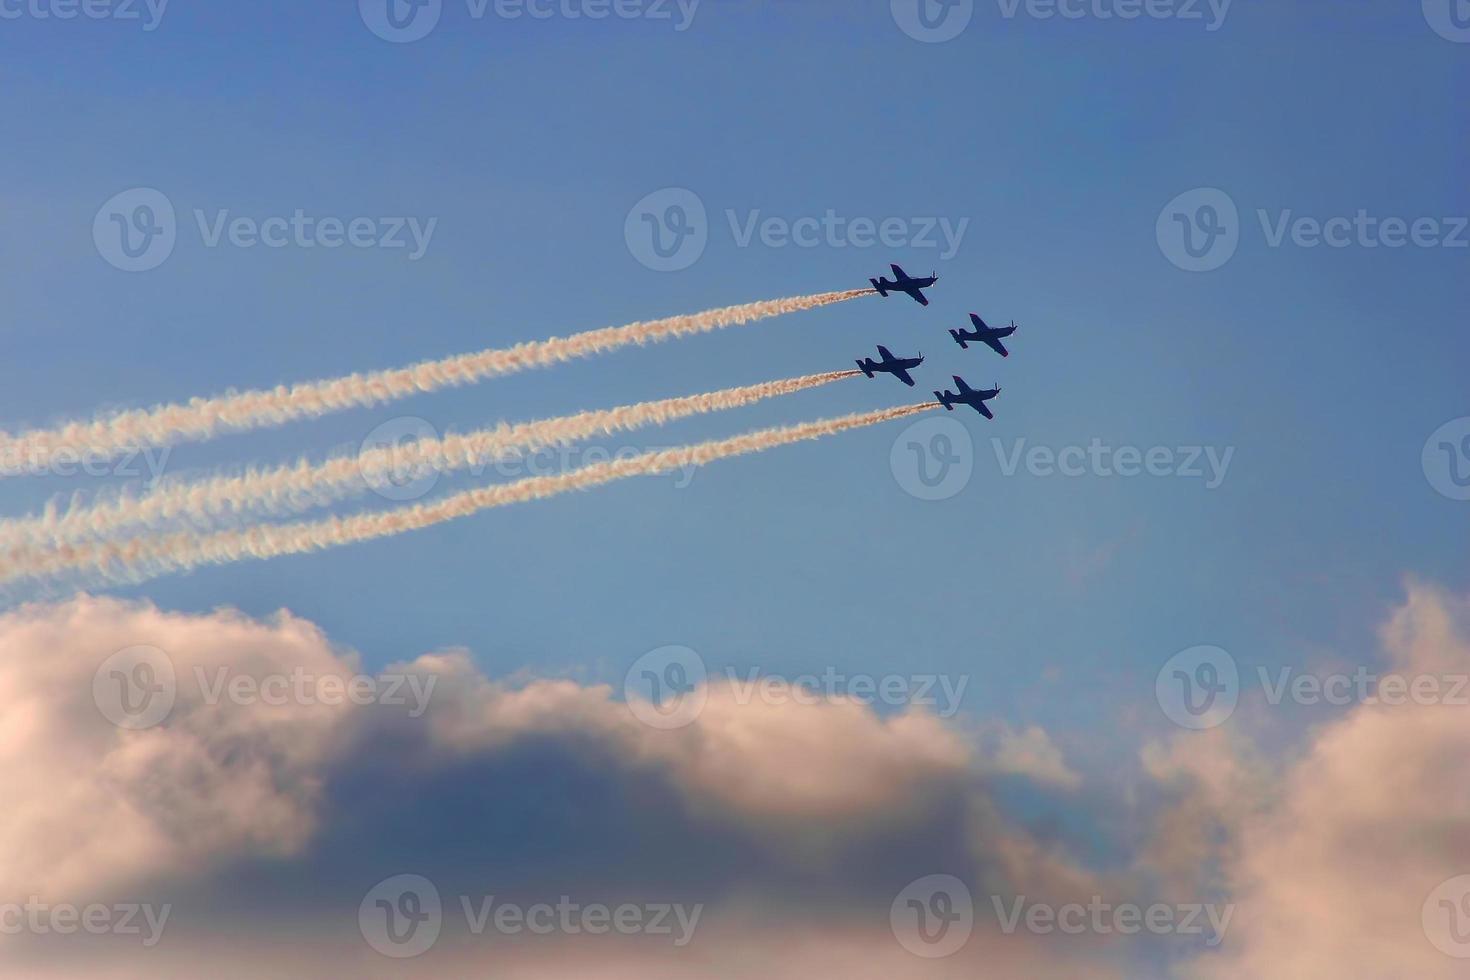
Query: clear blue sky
[{"x": 1061, "y": 141}]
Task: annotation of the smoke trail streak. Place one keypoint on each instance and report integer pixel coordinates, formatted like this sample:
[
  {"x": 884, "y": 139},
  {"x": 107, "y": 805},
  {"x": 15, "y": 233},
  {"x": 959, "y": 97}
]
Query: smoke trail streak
[
  {"x": 204, "y": 418},
  {"x": 298, "y": 487},
  {"x": 136, "y": 559}
]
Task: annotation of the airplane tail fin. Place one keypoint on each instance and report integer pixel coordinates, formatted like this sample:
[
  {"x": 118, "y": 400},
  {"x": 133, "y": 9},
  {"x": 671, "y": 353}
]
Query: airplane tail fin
[
  {"x": 863, "y": 367},
  {"x": 945, "y": 401},
  {"x": 959, "y": 340},
  {"x": 879, "y": 287}
]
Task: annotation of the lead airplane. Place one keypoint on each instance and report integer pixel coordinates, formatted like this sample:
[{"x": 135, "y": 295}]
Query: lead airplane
[
  {"x": 968, "y": 396},
  {"x": 904, "y": 283},
  {"x": 986, "y": 334},
  {"x": 899, "y": 367}
]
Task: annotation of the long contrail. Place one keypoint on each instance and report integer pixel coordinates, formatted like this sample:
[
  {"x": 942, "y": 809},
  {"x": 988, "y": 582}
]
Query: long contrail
[
  {"x": 203, "y": 418},
  {"x": 135, "y": 559},
  {"x": 291, "y": 489}
]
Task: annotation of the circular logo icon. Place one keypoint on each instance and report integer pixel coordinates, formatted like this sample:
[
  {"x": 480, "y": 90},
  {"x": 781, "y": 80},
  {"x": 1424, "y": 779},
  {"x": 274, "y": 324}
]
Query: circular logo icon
[
  {"x": 1198, "y": 688},
  {"x": 933, "y": 917},
  {"x": 1199, "y": 230},
  {"x": 1447, "y": 459},
  {"x": 1446, "y": 917},
  {"x": 401, "y": 916},
  {"x": 666, "y": 688},
  {"x": 933, "y": 21},
  {"x": 135, "y": 230},
  {"x": 668, "y": 230},
  {"x": 393, "y": 460},
  {"x": 135, "y": 688},
  {"x": 1449, "y": 18},
  {"x": 933, "y": 459},
  {"x": 400, "y": 21}
]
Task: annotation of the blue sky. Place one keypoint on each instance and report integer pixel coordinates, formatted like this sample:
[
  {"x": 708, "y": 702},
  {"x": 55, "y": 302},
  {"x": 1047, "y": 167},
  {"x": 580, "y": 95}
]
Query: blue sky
[{"x": 1325, "y": 369}]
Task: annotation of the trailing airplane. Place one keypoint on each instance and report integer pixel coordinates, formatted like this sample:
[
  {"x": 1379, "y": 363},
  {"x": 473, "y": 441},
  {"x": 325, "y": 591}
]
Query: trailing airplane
[
  {"x": 967, "y": 396},
  {"x": 899, "y": 367},
  {"x": 987, "y": 335},
  {"x": 904, "y": 283}
]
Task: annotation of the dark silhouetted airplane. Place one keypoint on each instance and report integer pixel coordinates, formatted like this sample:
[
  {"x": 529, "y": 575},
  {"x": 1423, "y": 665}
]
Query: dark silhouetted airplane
[
  {"x": 904, "y": 283},
  {"x": 987, "y": 335},
  {"x": 896, "y": 366},
  {"x": 967, "y": 396}
]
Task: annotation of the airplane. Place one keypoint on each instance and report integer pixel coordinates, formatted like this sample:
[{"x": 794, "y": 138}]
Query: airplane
[
  {"x": 967, "y": 396},
  {"x": 903, "y": 283},
  {"x": 896, "y": 366},
  {"x": 983, "y": 332}
]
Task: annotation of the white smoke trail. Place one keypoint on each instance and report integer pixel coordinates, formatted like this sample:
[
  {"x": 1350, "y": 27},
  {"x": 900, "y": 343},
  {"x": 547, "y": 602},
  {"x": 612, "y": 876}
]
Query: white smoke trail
[
  {"x": 136, "y": 559},
  {"x": 291, "y": 489},
  {"x": 203, "y": 418}
]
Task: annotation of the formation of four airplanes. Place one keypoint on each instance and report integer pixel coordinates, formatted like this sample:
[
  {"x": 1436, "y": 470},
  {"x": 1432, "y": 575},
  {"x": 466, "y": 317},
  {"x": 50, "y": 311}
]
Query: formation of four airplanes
[{"x": 899, "y": 367}]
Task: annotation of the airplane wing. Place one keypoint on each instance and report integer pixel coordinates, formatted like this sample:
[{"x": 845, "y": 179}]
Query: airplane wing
[
  {"x": 902, "y": 374},
  {"x": 994, "y": 344},
  {"x": 898, "y": 273},
  {"x": 981, "y": 324},
  {"x": 883, "y": 353},
  {"x": 918, "y": 296},
  {"x": 983, "y": 409}
]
